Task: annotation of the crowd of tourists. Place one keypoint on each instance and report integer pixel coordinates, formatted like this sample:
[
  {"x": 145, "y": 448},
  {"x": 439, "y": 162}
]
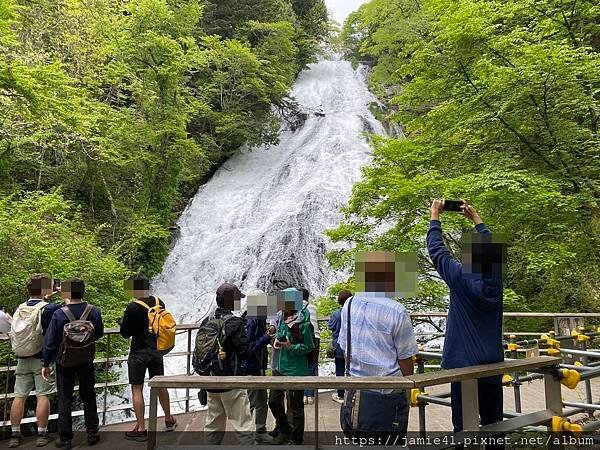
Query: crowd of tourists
[{"x": 372, "y": 335}]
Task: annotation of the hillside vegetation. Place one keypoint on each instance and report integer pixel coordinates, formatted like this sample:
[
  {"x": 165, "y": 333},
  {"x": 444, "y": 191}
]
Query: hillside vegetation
[
  {"x": 500, "y": 103},
  {"x": 113, "y": 111}
]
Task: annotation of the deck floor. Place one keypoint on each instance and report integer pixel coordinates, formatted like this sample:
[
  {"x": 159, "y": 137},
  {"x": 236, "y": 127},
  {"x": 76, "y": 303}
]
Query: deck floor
[{"x": 438, "y": 418}]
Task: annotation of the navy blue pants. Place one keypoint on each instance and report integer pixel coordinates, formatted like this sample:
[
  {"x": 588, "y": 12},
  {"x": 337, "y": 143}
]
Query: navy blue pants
[
  {"x": 340, "y": 368},
  {"x": 313, "y": 369}
]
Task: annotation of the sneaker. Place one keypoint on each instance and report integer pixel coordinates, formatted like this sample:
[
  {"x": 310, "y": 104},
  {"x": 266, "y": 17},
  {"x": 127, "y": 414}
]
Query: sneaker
[
  {"x": 305, "y": 400},
  {"x": 310, "y": 400},
  {"x": 92, "y": 437},
  {"x": 137, "y": 435},
  {"x": 42, "y": 440},
  {"x": 336, "y": 398},
  {"x": 14, "y": 441},
  {"x": 263, "y": 438},
  {"x": 63, "y": 443},
  {"x": 203, "y": 408},
  {"x": 282, "y": 439},
  {"x": 171, "y": 424}
]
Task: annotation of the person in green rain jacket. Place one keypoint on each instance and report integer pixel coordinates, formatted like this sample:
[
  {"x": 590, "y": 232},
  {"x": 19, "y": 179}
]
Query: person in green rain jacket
[
  {"x": 294, "y": 341},
  {"x": 293, "y": 359}
]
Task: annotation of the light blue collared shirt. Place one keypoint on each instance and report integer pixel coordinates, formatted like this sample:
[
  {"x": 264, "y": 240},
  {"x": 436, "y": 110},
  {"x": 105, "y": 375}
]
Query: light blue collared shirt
[{"x": 382, "y": 334}]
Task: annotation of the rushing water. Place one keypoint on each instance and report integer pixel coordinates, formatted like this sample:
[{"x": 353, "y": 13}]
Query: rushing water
[{"x": 259, "y": 221}]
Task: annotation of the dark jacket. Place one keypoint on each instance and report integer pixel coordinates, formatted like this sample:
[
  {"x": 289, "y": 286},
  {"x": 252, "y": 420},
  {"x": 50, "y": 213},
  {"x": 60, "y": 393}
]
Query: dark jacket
[
  {"x": 235, "y": 345},
  {"x": 474, "y": 328},
  {"x": 256, "y": 364},
  {"x": 47, "y": 313},
  {"x": 334, "y": 325},
  {"x": 135, "y": 325},
  {"x": 54, "y": 336}
]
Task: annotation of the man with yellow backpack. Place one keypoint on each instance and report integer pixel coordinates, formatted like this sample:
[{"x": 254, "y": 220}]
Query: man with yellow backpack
[{"x": 152, "y": 331}]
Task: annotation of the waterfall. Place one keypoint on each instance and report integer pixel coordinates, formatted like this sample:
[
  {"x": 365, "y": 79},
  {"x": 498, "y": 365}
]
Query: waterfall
[{"x": 259, "y": 221}]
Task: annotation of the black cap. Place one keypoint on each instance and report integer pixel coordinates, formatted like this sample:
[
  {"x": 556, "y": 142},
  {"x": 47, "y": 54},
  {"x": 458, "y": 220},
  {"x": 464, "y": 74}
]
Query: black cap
[{"x": 229, "y": 290}]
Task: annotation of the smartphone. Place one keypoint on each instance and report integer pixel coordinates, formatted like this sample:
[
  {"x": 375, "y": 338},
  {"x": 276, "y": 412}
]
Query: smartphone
[
  {"x": 55, "y": 284},
  {"x": 453, "y": 205}
]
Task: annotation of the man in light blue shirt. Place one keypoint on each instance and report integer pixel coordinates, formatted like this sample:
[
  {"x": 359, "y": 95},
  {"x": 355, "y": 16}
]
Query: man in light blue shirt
[{"x": 382, "y": 336}]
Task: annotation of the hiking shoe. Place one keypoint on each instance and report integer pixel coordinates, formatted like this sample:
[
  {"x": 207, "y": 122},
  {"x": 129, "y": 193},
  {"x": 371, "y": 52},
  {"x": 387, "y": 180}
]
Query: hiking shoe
[
  {"x": 14, "y": 441},
  {"x": 171, "y": 424},
  {"x": 92, "y": 437},
  {"x": 42, "y": 440},
  {"x": 336, "y": 398},
  {"x": 263, "y": 438},
  {"x": 64, "y": 444},
  {"x": 137, "y": 435},
  {"x": 282, "y": 439}
]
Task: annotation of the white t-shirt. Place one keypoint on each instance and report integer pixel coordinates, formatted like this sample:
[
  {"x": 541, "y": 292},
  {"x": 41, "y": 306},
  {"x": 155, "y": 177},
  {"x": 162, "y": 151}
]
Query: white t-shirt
[{"x": 5, "y": 322}]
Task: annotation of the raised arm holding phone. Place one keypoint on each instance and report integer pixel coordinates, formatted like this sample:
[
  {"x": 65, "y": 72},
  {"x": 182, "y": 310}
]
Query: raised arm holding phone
[{"x": 474, "y": 327}]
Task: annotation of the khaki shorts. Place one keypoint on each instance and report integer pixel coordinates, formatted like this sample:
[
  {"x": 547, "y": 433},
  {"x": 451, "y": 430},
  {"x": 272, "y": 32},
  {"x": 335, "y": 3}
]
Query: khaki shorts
[{"x": 28, "y": 376}]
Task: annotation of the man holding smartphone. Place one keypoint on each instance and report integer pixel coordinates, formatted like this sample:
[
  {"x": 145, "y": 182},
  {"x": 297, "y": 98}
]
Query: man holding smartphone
[{"x": 474, "y": 328}]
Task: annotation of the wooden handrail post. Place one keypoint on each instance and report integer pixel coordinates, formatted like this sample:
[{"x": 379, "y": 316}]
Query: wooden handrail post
[
  {"x": 470, "y": 404},
  {"x": 152, "y": 419},
  {"x": 316, "y": 419},
  {"x": 422, "y": 405},
  {"x": 189, "y": 368}
]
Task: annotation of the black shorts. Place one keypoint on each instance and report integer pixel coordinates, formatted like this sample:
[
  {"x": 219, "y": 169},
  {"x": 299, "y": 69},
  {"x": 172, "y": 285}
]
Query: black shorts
[{"x": 142, "y": 360}]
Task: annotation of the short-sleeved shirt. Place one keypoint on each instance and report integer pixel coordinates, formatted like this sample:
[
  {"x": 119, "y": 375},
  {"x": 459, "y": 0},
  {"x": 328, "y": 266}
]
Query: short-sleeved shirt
[{"x": 382, "y": 335}]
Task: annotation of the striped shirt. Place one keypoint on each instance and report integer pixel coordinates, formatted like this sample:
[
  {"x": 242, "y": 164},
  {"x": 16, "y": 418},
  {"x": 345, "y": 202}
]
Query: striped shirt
[{"x": 382, "y": 334}]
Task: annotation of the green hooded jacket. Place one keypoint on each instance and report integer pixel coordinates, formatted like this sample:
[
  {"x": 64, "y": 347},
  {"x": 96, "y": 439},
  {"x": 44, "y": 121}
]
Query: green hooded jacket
[{"x": 294, "y": 361}]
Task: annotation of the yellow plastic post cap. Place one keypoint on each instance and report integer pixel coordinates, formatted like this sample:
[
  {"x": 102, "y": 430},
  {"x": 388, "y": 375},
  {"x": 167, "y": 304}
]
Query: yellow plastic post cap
[
  {"x": 570, "y": 378},
  {"x": 414, "y": 397}
]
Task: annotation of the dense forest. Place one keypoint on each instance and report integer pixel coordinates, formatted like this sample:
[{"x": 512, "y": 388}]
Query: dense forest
[
  {"x": 500, "y": 104},
  {"x": 112, "y": 113}
]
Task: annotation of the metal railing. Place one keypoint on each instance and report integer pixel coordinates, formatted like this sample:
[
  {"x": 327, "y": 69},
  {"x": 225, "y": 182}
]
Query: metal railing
[
  {"x": 546, "y": 367},
  {"x": 106, "y": 362}
]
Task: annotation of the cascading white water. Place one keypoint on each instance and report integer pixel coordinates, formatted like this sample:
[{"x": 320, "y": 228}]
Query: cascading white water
[{"x": 259, "y": 221}]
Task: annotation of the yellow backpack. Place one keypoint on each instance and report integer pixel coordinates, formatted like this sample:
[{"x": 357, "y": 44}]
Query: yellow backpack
[{"x": 161, "y": 325}]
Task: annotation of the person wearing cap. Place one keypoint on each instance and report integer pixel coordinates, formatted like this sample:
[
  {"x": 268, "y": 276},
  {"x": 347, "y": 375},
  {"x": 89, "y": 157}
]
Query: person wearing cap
[{"x": 230, "y": 404}]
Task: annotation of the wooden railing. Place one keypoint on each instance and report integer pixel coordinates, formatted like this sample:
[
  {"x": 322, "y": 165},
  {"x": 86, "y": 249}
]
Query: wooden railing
[
  {"x": 186, "y": 332},
  {"x": 467, "y": 376}
]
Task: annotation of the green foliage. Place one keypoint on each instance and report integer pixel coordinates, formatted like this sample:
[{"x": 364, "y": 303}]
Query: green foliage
[
  {"x": 45, "y": 233},
  {"x": 127, "y": 106},
  {"x": 500, "y": 105}
]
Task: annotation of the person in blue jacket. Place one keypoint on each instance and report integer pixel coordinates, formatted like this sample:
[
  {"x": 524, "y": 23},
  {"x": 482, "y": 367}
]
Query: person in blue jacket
[
  {"x": 256, "y": 363},
  {"x": 334, "y": 325},
  {"x": 73, "y": 291},
  {"x": 474, "y": 328}
]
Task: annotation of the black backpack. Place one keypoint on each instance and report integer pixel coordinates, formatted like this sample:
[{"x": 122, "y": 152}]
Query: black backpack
[
  {"x": 210, "y": 356},
  {"x": 78, "y": 345}
]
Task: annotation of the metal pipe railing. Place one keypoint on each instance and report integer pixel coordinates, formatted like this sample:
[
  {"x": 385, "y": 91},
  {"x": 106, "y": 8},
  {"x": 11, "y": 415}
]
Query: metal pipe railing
[{"x": 109, "y": 358}]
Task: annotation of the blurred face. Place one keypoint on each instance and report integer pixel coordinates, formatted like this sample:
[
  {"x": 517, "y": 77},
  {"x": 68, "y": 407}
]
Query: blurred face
[
  {"x": 289, "y": 301},
  {"x": 261, "y": 306},
  {"x": 40, "y": 287},
  {"x": 389, "y": 273},
  {"x": 232, "y": 301},
  {"x": 484, "y": 255},
  {"x": 136, "y": 289}
]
